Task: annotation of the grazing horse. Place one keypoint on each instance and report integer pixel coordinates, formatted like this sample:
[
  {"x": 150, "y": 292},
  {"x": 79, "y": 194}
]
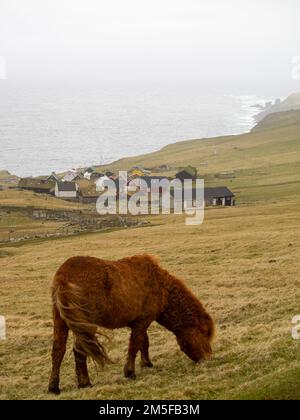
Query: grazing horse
[{"x": 89, "y": 293}]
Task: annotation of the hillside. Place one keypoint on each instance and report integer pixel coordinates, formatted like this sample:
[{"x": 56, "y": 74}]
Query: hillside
[
  {"x": 7, "y": 179},
  {"x": 292, "y": 103},
  {"x": 21, "y": 199},
  {"x": 262, "y": 165},
  {"x": 243, "y": 263},
  {"x": 278, "y": 120}
]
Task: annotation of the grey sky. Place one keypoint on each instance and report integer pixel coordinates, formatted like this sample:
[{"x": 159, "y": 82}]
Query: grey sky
[{"x": 223, "y": 45}]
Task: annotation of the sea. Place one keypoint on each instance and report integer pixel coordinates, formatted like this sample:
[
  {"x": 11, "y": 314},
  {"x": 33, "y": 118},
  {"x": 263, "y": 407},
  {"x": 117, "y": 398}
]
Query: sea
[{"x": 56, "y": 128}]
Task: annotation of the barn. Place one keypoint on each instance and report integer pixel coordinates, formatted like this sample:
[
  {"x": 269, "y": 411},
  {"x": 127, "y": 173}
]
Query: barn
[
  {"x": 219, "y": 196},
  {"x": 213, "y": 196}
]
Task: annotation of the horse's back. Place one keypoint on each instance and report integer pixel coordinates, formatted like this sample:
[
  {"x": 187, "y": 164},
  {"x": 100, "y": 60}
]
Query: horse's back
[
  {"x": 118, "y": 291},
  {"x": 136, "y": 271}
]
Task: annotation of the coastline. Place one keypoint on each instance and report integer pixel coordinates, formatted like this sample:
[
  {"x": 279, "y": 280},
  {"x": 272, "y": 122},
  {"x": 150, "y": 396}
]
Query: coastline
[{"x": 137, "y": 137}]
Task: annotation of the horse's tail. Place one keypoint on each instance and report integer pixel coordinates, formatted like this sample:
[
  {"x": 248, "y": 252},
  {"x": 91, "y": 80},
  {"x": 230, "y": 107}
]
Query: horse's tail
[{"x": 68, "y": 301}]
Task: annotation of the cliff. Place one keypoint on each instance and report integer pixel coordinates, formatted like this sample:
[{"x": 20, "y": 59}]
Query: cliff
[{"x": 292, "y": 103}]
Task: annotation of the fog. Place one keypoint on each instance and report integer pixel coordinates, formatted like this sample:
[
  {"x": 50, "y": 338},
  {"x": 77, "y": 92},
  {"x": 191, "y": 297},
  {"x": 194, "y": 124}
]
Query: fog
[{"x": 219, "y": 45}]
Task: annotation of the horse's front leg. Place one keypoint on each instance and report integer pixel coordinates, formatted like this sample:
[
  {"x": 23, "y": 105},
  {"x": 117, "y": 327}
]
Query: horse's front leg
[
  {"x": 135, "y": 344},
  {"x": 145, "y": 359}
]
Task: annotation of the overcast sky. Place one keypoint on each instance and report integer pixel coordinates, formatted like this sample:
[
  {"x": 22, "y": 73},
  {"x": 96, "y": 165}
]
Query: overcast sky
[{"x": 223, "y": 45}]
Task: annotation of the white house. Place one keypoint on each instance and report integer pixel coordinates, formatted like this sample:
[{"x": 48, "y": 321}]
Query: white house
[
  {"x": 66, "y": 190},
  {"x": 87, "y": 175}
]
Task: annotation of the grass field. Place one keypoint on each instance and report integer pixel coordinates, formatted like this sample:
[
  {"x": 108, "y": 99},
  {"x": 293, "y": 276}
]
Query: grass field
[
  {"x": 30, "y": 199},
  {"x": 243, "y": 263},
  {"x": 13, "y": 202},
  {"x": 16, "y": 225}
]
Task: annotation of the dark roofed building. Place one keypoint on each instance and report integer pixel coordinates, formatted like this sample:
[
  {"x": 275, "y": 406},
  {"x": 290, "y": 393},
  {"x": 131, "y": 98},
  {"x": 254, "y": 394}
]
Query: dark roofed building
[
  {"x": 213, "y": 196},
  {"x": 66, "y": 190},
  {"x": 53, "y": 177},
  {"x": 87, "y": 192},
  {"x": 88, "y": 195},
  {"x": 187, "y": 173},
  {"x": 37, "y": 185},
  {"x": 219, "y": 196},
  {"x": 90, "y": 170}
]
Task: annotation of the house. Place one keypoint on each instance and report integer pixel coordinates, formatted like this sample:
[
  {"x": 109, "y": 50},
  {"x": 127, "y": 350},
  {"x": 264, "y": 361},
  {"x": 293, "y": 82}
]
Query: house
[
  {"x": 88, "y": 172},
  {"x": 88, "y": 194},
  {"x": 53, "y": 177},
  {"x": 109, "y": 174},
  {"x": 96, "y": 175},
  {"x": 38, "y": 185},
  {"x": 66, "y": 190},
  {"x": 138, "y": 171},
  {"x": 219, "y": 196},
  {"x": 72, "y": 176},
  {"x": 189, "y": 172},
  {"x": 100, "y": 183}
]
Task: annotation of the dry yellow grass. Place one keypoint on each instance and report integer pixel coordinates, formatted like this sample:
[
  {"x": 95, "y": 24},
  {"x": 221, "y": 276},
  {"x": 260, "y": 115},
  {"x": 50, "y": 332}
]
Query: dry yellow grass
[
  {"x": 15, "y": 225},
  {"x": 243, "y": 263},
  {"x": 29, "y": 199}
]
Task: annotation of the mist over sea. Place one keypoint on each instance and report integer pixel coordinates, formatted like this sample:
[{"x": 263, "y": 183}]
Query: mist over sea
[{"x": 45, "y": 129}]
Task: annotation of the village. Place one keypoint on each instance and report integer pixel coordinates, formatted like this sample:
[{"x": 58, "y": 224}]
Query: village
[{"x": 86, "y": 185}]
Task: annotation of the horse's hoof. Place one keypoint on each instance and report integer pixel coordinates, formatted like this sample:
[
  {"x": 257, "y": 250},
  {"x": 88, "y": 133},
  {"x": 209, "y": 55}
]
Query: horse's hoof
[
  {"x": 130, "y": 375},
  {"x": 88, "y": 385},
  {"x": 148, "y": 365},
  {"x": 54, "y": 390}
]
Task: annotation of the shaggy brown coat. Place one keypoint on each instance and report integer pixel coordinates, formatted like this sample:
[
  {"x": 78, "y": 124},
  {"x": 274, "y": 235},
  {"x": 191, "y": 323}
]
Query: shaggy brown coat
[{"x": 89, "y": 293}]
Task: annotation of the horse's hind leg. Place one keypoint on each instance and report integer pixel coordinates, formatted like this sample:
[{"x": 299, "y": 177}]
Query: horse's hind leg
[
  {"x": 145, "y": 359},
  {"x": 58, "y": 350},
  {"x": 81, "y": 368}
]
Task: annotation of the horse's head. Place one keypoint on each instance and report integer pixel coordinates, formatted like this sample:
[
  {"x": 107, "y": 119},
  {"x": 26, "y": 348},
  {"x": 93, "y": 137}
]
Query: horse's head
[{"x": 195, "y": 341}]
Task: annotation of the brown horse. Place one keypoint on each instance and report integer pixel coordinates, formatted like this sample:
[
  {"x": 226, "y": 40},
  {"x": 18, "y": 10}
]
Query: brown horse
[{"x": 89, "y": 293}]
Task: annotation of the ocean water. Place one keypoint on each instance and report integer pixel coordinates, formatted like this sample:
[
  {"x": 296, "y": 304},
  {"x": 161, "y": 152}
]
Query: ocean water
[{"x": 45, "y": 129}]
